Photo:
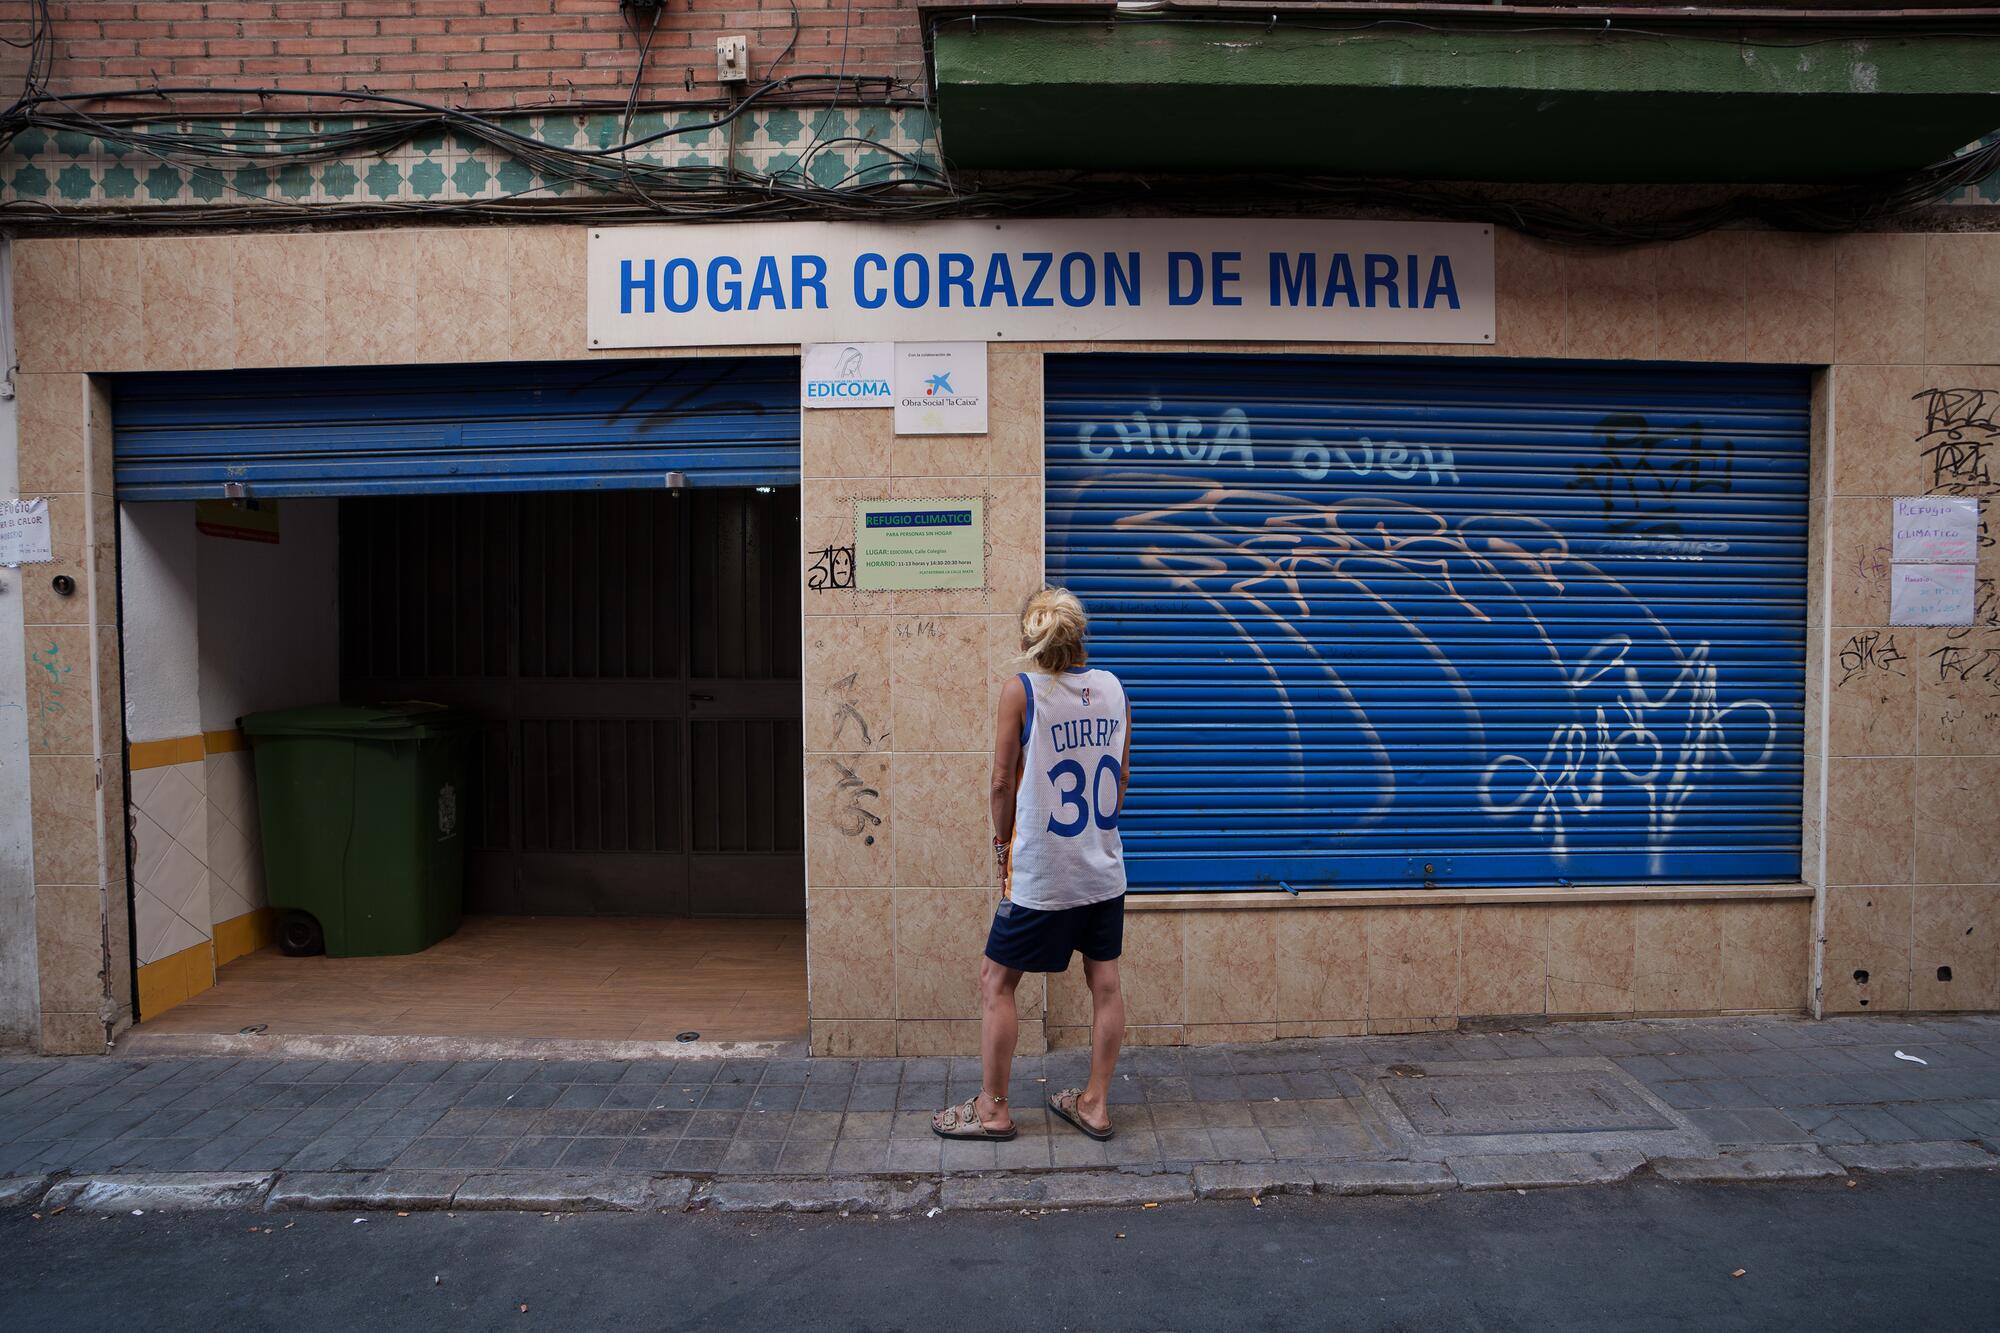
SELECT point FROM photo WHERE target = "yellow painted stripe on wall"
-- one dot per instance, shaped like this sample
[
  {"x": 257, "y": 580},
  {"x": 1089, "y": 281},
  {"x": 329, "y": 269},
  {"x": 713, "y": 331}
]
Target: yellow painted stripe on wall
[
  {"x": 224, "y": 742},
  {"x": 244, "y": 934},
  {"x": 159, "y": 754},
  {"x": 177, "y": 977}
]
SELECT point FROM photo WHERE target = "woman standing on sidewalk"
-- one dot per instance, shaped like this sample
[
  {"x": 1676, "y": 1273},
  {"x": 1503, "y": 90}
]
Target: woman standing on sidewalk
[{"x": 1062, "y": 748}]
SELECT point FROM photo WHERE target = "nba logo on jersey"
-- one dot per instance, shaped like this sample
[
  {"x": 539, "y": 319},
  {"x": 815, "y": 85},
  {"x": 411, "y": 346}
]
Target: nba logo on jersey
[{"x": 1086, "y": 696}]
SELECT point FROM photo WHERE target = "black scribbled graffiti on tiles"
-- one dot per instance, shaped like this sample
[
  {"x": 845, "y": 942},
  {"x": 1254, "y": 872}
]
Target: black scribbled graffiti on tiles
[
  {"x": 1961, "y": 434},
  {"x": 1645, "y": 475},
  {"x": 846, "y": 711},
  {"x": 832, "y": 569},
  {"x": 1871, "y": 653},
  {"x": 852, "y": 797},
  {"x": 1969, "y": 664}
]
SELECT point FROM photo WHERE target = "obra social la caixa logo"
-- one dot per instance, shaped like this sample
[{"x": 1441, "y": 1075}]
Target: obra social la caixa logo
[{"x": 848, "y": 381}]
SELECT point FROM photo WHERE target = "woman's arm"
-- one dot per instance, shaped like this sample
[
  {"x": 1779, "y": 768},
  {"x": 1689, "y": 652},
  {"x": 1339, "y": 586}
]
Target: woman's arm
[
  {"x": 1125, "y": 762},
  {"x": 1007, "y": 757}
]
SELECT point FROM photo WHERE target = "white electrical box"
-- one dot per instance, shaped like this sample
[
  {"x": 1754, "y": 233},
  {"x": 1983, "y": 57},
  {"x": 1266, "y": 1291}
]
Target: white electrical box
[{"x": 732, "y": 59}]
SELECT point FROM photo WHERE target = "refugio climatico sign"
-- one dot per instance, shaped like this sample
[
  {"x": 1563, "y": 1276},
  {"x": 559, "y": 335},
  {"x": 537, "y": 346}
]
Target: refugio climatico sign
[{"x": 1072, "y": 281}]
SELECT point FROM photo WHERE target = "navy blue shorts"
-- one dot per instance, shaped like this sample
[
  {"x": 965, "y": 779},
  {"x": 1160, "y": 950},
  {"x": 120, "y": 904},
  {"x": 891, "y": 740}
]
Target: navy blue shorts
[{"x": 1029, "y": 940}]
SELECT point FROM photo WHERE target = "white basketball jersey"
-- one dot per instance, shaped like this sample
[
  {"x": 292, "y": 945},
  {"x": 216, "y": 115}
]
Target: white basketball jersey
[{"x": 1066, "y": 849}]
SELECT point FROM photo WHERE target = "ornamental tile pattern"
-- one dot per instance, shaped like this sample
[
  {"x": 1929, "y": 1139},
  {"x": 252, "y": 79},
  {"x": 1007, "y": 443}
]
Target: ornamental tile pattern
[{"x": 832, "y": 147}]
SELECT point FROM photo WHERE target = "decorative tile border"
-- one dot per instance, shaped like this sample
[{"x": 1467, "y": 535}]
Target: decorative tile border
[
  {"x": 1983, "y": 191},
  {"x": 829, "y": 147}
]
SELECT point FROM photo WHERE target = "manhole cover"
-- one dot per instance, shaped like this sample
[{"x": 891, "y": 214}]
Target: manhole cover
[{"x": 1543, "y": 1103}]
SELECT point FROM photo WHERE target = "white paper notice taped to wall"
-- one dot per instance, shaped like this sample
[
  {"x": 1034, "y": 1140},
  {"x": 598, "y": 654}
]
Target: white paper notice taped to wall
[
  {"x": 1931, "y": 594},
  {"x": 25, "y": 535},
  {"x": 1943, "y": 528}
]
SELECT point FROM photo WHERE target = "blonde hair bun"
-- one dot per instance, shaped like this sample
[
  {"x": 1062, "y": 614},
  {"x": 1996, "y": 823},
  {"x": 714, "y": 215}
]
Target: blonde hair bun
[{"x": 1053, "y": 627}]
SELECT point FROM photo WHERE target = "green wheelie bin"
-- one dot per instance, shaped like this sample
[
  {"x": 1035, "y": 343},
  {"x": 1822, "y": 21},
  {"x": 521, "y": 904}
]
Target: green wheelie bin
[{"x": 362, "y": 808}]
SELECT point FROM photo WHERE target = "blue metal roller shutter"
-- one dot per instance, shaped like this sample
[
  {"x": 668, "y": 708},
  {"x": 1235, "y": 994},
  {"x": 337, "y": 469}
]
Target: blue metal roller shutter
[
  {"x": 1451, "y": 623},
  {"x": 423, "y": 430}
]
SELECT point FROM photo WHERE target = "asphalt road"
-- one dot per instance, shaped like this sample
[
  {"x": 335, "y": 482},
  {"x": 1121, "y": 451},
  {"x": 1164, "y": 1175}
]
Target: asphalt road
[{"x": 1905, "y": 1253}]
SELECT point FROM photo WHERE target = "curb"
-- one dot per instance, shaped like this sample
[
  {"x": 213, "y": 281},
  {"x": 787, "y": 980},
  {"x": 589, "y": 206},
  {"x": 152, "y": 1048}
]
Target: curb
[
  {"x": 886, "y": 1195},
  {"x": 327, "y": 1191},
  {"x": 1064, "y": 1189},
  {"x": 1534, "y": 1170},
  {"x": 555, "y": 1192},
  {"x": 1787, "y": 1163},
  {"x": 858, "y": 1195},
  {"x": 161, "y": 1192},
  {"x": 1224, "y": 1181}
]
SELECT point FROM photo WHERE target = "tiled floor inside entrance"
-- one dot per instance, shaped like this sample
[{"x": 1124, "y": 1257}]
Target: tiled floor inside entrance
[{"x": 577, "y": 978}]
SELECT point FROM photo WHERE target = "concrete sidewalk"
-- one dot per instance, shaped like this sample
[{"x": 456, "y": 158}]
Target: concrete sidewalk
[{"x": 1559, "y": 1104}]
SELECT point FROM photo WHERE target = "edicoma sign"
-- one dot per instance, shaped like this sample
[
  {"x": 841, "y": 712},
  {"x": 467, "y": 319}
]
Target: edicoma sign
[
  {"x": 846, "y": 375},
  {"x": 1083, "y": 281}
]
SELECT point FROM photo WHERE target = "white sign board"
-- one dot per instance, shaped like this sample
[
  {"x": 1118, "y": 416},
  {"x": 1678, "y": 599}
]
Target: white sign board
[
  {"x": 1931, "y": 594},
  {"x": 1936, "y": 528},
  {"x": 845, "y": 375},
  {"x": 25, "y": 535},
  {"x": 919, "y": 544},
  {"x": 1124, "y": 279},
  {"x": 940, "y": 388}
]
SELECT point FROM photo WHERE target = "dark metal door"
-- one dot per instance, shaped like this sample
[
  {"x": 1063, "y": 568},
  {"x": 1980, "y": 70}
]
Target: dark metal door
[{"x": 635, "y": 655}]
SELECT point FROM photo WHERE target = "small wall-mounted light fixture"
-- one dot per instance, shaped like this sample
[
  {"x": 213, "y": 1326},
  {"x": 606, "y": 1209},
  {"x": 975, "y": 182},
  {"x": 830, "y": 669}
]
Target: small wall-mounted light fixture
[
  {"x": 677, "y": 481},
  {"x": 236, "y": 492}
]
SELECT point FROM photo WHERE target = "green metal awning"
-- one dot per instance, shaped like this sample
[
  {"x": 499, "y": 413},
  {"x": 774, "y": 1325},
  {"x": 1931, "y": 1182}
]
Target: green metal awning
[{"x": 1528, "y": 100}]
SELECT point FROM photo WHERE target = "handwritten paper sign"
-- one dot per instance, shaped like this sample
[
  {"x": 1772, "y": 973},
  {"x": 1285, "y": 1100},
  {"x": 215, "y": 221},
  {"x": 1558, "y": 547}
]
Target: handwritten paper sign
[
  {"x": 25, "y": 535},
  {"x": 1941, "y": 528},
  {"x": 919, "y": 544},
  {"x": 1931, "y": 594}
]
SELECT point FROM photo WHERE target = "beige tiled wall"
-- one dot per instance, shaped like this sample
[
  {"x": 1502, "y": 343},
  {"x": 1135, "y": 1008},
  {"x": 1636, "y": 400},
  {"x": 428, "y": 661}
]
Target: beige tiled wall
[
  {"x": 75, "y": 747},
  {"x": 1913, "y": 715},
  {"x": 1301, "y": 971},
  {"x": 898, "y": 686},
  {"x": 899, "y": 696}
]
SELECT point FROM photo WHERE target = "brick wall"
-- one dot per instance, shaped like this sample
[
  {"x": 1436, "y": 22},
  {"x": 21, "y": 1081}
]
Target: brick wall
[
  {"x": 476, "y": 53},
  {"x": 486, "y": 53}
]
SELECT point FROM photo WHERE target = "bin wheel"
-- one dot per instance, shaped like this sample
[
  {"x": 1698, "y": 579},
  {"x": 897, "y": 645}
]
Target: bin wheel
[{"x": 299, "y": 935}]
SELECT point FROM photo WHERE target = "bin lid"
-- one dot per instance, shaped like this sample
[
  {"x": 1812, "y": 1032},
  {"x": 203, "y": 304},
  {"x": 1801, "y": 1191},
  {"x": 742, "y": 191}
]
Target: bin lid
[{"x": 408, "y": 720}]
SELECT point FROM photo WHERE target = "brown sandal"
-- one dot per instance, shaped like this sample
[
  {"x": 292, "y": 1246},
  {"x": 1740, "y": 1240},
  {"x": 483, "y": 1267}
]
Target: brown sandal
[
  {"x": 962, "y": 1122},
  {"x": 1064, "y": 1105}
]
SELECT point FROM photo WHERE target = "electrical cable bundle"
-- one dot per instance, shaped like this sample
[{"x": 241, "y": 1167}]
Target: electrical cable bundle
[{"x": 612, "y": 185}]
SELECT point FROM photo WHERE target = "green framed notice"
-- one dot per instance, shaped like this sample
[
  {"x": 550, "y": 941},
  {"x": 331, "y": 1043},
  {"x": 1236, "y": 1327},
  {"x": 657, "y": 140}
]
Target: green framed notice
[{"x": 901, "y": 544}]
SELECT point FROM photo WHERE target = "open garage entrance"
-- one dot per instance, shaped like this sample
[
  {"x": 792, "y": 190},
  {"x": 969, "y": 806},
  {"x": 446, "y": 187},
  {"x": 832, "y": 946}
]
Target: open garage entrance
[{"x": 599, "y": 566}]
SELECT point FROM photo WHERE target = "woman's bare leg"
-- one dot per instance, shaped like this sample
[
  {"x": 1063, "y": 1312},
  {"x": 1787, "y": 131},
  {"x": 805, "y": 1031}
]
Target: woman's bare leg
[
  {"x": 1107, "y": 1033},
  {"x": 999, "y": 1029}
]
